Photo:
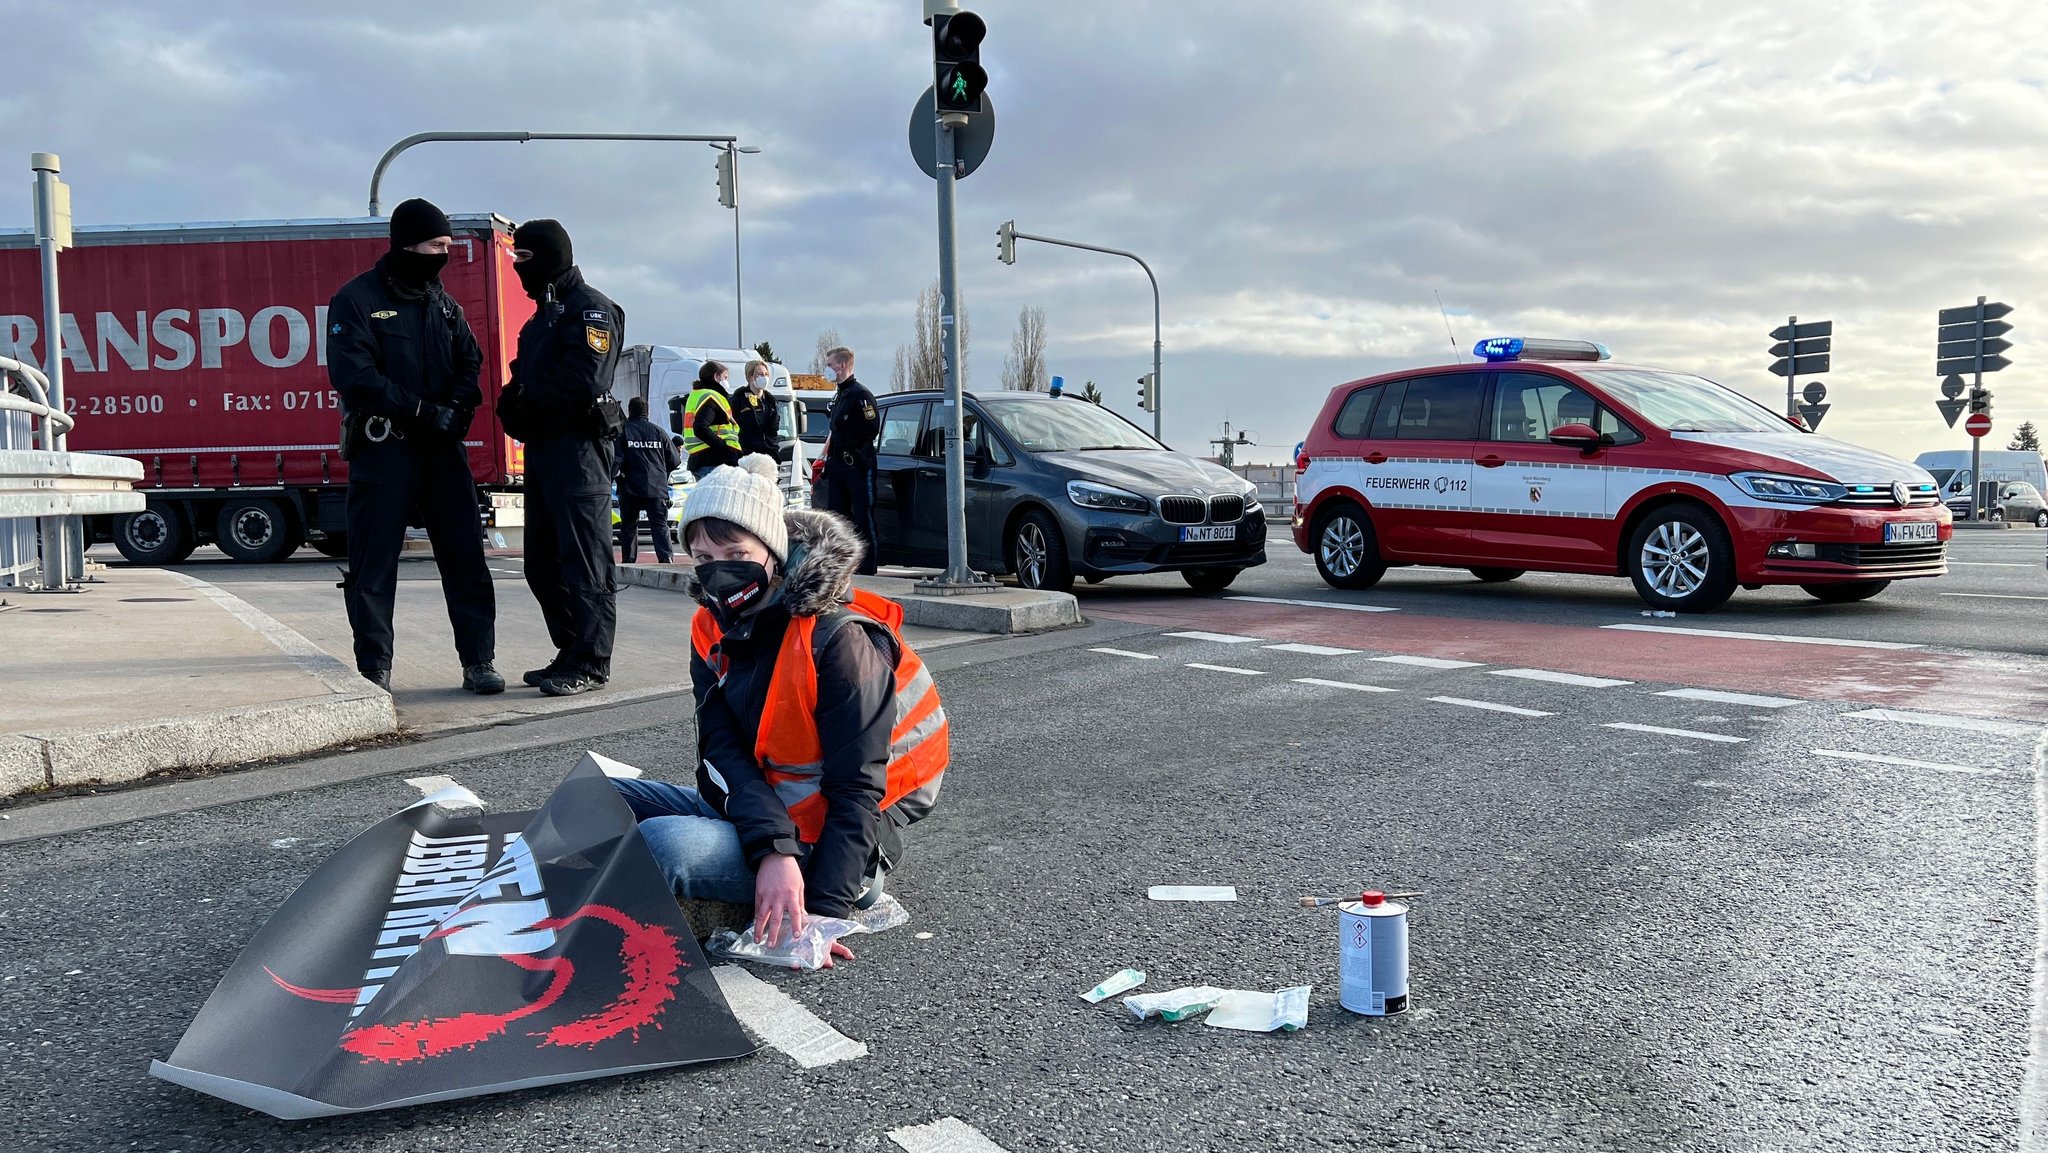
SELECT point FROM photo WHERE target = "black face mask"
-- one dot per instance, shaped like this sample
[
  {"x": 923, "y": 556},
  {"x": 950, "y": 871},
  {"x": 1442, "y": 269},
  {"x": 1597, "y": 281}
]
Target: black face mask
[
  {"x": 416, "y": 268},
  {"x": 733, "y": 589}
]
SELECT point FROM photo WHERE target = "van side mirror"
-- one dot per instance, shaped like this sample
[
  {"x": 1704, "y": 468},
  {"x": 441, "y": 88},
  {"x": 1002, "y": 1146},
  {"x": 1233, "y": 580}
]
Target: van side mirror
[{"x": 1579, "y": 436}]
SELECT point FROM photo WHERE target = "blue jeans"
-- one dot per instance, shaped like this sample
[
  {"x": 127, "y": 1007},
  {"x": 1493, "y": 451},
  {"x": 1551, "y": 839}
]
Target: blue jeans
[{"x": 698, "y": 850}]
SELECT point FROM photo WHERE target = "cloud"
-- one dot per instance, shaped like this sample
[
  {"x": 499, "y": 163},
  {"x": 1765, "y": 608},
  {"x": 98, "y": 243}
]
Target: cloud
[{"x": 1671, "y": 179}]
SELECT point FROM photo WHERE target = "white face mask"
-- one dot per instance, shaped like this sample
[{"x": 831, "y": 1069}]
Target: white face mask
[
  {"x": 831, "y": 374},
  {"x": 758, "y": 383}
]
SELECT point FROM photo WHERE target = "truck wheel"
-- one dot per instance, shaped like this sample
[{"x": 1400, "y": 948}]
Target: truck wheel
[
  {"x": 255, "y": 531},
  {"x": 334, "y": 544},
  {"x": 154, "y": 536},
  {"x": 1681, "y": 560},
  {"x": 1846, "y": 592},
  {"x": 1347, "y": 552}
]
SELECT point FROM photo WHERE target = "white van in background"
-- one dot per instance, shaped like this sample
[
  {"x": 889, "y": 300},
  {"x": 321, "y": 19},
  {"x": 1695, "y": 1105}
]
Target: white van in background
[
  {"x": 1951, "y": 469},
  {"x": 664, "y": 374}
]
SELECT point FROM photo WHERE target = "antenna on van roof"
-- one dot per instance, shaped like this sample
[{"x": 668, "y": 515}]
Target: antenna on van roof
[{"x": 1457, "y": 350}]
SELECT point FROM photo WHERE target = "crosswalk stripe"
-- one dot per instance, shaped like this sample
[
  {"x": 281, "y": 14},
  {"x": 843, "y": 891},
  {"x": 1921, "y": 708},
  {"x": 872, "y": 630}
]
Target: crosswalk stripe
[
  {"x": 1126, "y": 653},
  {"x": 781, "y": 1022},
  {"x": 1559, "y": 678},
  {"x": 1725, "y": 698},
  {"x": 1938, "y": 721},
  {"x": 1427, "y": 662},
  {"x": 1491, "y": 707},
  {"x": 1228, "y": 669},
  {"x": 1903, "y": 762},
  {"x": 1217, "y": 638},
  {"x": 1344, "y": 685},
  {"x": 1731, "y": 634},
  {"x": 945, "y": 1135},
  {"x": 1689, "y": 734},
  {"x": 1314, "y": 604},
  {"x": 1313, "y": 650}
]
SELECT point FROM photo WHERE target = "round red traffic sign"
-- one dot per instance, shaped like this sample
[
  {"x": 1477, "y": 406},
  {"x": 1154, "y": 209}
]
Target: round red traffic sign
[{"x": 1979, "y": 424}]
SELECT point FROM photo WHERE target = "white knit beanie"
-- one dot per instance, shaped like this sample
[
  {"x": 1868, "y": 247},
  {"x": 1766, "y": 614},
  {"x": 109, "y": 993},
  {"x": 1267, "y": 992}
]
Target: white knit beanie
[{"x": 748, "y": 496}]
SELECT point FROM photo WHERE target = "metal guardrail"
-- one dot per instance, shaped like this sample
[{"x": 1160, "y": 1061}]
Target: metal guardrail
[{"x": 43, "y": 489}]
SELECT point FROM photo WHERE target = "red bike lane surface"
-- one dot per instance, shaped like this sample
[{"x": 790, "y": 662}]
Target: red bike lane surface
[{"x": 1910, "y": 679}]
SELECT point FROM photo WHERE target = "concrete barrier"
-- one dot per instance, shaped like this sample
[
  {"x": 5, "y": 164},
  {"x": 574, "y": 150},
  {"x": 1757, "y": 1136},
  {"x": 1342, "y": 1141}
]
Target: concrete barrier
[{"x": 1004, "y": 611}]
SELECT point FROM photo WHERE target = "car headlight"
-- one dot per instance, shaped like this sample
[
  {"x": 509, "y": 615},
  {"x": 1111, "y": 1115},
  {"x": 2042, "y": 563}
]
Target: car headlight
[
  {"x": 1789, "y": 489},
  {"x": 1251, "y": 499},
  {"x": 1088, "y": 494}
]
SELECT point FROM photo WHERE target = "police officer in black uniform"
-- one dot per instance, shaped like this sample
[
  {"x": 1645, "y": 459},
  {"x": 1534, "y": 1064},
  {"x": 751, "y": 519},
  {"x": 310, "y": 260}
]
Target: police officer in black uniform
[
  {"x": 646, "y": 456},
  {"x": 559, "y": 403},
  {"x": 850, "y": 453},
  {"x": 405, "y": 363}
]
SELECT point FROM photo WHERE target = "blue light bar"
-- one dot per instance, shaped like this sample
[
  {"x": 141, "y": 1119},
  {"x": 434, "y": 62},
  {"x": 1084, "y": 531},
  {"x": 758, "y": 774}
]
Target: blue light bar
[{"x": 1499, "y": 348}]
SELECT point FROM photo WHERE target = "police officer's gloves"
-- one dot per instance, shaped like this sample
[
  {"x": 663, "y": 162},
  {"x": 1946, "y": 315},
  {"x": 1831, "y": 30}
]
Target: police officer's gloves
[{"x": 442, "y": 419}]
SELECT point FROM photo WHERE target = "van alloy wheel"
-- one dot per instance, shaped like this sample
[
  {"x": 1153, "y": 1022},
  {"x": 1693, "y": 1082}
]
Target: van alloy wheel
[
  {"x": 1675, "y": 559},
  {"x": 1342, "y": 545},
  {"x": 1031, "y": 550}
]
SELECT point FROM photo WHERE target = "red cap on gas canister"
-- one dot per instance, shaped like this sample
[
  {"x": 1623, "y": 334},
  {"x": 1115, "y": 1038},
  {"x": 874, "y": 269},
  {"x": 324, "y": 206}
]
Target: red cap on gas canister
[{"x": 1372, "y": 897}]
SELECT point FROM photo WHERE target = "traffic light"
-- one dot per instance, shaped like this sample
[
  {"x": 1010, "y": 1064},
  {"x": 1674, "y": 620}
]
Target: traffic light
[
  {"x": 956, "y": 56},
  {"x": 1980, "y": 401},
  {"x": 1006, "y": 242},
  {"x": 728, "y": 193},
  {"x": 1148, "y": 393}
]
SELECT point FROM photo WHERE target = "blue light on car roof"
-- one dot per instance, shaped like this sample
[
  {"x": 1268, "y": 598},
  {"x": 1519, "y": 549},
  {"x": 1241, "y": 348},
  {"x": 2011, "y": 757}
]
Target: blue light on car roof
[{"x": 1499, "y": 348}]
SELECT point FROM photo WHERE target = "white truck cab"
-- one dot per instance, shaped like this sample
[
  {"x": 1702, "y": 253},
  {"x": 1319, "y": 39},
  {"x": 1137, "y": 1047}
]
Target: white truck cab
[{"x": 664, "y": 374}]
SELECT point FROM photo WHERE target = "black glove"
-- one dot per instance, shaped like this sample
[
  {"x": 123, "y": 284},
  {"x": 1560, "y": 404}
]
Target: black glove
[{"x": 441, "y": 418}]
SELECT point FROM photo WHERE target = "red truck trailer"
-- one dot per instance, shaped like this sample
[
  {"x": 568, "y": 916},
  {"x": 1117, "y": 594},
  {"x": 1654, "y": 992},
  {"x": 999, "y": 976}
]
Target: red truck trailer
[{"x": 200, "y": 350}]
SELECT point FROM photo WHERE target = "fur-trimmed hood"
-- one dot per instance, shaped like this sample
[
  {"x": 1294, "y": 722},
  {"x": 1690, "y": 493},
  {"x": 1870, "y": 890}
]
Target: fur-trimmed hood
[{"x": 823, "y": 552}]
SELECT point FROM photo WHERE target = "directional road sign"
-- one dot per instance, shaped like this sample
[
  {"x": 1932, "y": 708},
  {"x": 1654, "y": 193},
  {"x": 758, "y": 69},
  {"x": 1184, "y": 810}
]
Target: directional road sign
[
  {"x": 1979, "y": 425},
  {"x": 1949, "y": 349},
  {"x": 1800, "y": 366},
  {"x": 1968, "y": 364},
  {"x": 1968, "y": 330},
  {"x": 1811, "y": 328},
  {"x": 1812, "y": 413},
  {"x": 1952, "y": 386},
  {"x": 1951, "y": 408},
  {"x": 1801, "y": 347},
  {"x": 1968, "y": 312}
]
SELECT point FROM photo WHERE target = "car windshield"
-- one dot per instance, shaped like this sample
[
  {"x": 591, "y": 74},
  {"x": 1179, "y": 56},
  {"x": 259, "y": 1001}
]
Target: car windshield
[
  {"x": 1681, "y": 402},
  {"x": 1066, "y": 425}
]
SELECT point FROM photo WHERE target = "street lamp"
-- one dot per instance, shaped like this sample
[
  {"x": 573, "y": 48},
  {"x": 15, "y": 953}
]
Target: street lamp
[{"x": 729, "y": 195}]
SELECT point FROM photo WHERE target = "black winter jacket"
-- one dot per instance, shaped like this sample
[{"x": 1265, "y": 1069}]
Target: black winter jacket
[
  {"x": 760, "y": 423},
  {"x": 567, "y": 353},
  {"x": 392, "y": 348},
  {"x": 856, "y": 710},
  {"x": 646, "y": 457}
]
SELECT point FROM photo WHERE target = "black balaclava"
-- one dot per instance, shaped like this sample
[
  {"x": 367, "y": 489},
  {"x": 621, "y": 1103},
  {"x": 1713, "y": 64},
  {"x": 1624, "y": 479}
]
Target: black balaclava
[
  {"x": 416, "y": 222},
  {"x": 552, "y": 256}
]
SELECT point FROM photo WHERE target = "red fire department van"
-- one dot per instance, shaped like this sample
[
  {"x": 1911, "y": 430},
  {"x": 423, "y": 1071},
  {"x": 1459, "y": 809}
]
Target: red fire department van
[
  {"x": 1545, "y": 456},
  {"x": 200, "y": 350}
]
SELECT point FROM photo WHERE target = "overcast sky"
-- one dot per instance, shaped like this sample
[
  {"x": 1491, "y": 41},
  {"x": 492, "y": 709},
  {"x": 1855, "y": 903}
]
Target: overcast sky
[{"x": 1671, "y": 178}]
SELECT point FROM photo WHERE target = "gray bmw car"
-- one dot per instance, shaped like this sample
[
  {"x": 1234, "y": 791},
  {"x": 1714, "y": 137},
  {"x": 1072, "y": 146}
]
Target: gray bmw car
[{"x": 1058, "y": 487}]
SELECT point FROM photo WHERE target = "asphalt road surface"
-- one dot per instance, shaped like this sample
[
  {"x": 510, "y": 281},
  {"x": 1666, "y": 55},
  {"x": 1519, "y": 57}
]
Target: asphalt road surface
[{"x": 1684, "y": 890}]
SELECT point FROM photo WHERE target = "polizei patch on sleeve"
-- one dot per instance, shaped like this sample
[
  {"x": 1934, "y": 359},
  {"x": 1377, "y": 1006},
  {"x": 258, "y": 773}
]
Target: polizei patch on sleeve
[{"x": 597, "y": 338}]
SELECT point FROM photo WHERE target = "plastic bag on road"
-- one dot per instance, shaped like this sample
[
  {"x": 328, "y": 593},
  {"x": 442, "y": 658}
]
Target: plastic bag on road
[
  {"x": 1261, "y": 1012},
  {"x": 809, "y": 949},
  {"x": 886, "y": 913},
  {"x": 1175, "y": 1004}
]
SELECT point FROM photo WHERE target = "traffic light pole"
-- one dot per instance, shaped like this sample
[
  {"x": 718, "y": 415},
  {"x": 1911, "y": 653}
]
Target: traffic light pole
[
  {"x": 1156, "y": 422},
  {"x": 1977, "y": 442},
  {"x": 958, "y": 577},
  {"x": 63, "y": 537}
]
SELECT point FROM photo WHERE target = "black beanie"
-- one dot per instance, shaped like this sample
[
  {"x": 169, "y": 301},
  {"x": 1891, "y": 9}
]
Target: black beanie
[
  {"x": 549, "y": 243},
  {"x": 416, "y": 222}
]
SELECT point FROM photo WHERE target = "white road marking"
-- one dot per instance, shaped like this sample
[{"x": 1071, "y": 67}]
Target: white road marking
[
  {"x": 1731, "y": 634},
  {"x": 945, "y": 1135},
  {"x": 2034, "y": 1089},
  {"x": 1692, "y": 734},
  {"x": 1343, "y": 685},
  {"x": 1938, "y": 721},
  {"x": 1126, "y": 653},
  {"x": 1229, "y": 669},
  {"x": 1191, "y": 893},
  {"x": 1491, "y": 707},
  {"x": 781, "y": 1022},
  {"x": 1314, "y": 604},
  {"x": 1724, "y": 698},
  {"x": 1559, "y": 678},
  {"x": 1903, "y": 762},
  {"x": 1428, "y": 662},
  {"x": 1314, "y": 650},
  {"x": 1996, "y": 596},
  {"x": 1218, "y": 638}
]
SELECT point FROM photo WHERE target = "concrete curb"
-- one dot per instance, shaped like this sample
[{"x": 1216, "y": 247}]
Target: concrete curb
[
  {"x": 1006, "y": 611},
  {"x": 351, "y": 710}
]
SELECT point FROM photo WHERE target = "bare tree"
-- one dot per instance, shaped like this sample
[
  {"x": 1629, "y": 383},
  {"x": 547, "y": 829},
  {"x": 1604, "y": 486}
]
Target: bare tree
[
  {"x": 1024, "y": 369},
  {"x": 925, "y": 355},
  {"x": 898, "y": 376},
  {"x": 827, "y": 341}
]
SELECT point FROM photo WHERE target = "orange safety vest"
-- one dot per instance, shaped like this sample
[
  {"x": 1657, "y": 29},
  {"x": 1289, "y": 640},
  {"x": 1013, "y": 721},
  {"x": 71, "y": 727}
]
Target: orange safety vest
[{"x": 787, "y": 747}]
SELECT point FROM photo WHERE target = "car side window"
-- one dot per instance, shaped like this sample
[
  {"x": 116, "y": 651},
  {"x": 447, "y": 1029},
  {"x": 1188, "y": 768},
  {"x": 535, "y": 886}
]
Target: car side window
[
  {"x": 901, "y": 424},
  {"x": 1386, "y": 419},
  {"x": 1528, "y": 405},
  {"x": 1354, "y": 420},
  {"x": 1612, "y": 425},
  {"x": 933, "y": 445},
  {"x": 1444, "y": 407}
]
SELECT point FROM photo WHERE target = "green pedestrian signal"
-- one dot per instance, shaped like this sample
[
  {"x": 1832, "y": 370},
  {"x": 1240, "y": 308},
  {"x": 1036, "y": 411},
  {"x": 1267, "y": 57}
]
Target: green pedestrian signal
[{"x": 956, "y": 61}]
